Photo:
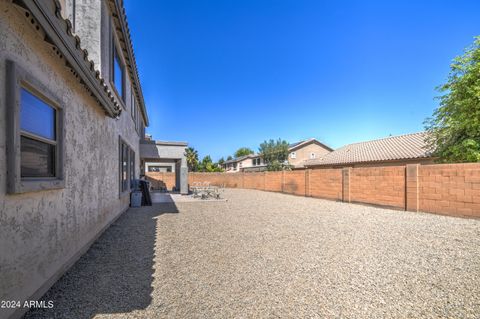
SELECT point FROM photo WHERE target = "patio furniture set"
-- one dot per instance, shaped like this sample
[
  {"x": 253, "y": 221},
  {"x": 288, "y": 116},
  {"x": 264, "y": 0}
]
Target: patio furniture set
[{"x": 204, "y": 190}]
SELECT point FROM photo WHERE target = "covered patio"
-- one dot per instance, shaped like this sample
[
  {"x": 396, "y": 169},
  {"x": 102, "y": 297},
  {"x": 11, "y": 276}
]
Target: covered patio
[{"x": 168, "y": 157}]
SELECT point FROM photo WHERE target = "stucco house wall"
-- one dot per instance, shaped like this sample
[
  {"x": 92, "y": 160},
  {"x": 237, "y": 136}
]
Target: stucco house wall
[
  {"x": 42, "y": 233},
  {"x": 303, "y": 153}
]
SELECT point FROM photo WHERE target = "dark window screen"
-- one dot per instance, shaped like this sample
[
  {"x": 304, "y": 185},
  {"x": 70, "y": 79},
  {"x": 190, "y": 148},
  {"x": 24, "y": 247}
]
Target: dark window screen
[{"x": 37, "y": 158}]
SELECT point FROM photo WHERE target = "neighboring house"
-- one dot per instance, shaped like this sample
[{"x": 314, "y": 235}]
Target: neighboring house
[
  {"x": 393, "y": 150},
  {"x": 298, "y": 153},
  {"x": 250, "y": 162},
  {"x": 306, "y": 150},
  {"x": 72, "y": 118}
]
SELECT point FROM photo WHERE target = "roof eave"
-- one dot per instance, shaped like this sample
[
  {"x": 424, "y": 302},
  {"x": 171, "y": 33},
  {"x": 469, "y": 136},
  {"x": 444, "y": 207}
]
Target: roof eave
[
  {"x": 372, "y": 162},
  {"x": 304, "y": 143},
  {"x": 59, "y": 33},
  {"x": 120, "y": 13}
]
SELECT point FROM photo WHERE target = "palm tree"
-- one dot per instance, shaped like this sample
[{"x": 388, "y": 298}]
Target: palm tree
[{"x": 191, "y": 155}]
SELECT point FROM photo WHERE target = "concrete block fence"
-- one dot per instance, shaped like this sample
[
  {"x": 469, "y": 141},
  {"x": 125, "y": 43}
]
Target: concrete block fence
[{"x": 450, "y": 189}]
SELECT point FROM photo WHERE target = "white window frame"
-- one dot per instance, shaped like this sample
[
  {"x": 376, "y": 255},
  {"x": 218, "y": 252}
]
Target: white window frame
[{"x": 293, "y": 155}]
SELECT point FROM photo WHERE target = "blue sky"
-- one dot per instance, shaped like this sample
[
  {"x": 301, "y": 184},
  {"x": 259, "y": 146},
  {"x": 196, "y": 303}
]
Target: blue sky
[{"x": 223, "y": 74}]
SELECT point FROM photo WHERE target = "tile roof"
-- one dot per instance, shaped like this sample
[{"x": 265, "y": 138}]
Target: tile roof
[
  {"x": 408, "y": 146},
  {"x": 67, "y": 45},
  {"x": 292, "y": 146},
  {"x": 241, "y": 158}
]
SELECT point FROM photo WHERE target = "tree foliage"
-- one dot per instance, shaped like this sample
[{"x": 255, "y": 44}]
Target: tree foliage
[
  {"x": 275, "y": 154},
  {"x": 242, "y": 151},
  {"x": 207, "y": 165},
  {"x": 229, "y": 158},
  {"x": 191, "y": 155},
  {"x": 454, "y": 128}
]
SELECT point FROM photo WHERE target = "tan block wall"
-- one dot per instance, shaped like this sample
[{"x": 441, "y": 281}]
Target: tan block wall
[
  {"x": 445, "y": 189},
  {"x": 159, "y": 180},
  {"x": 294, "y": 182},
  {"x": 254, "y": 181},
  {"x": 452, "y": 189},
  {"x": 326, "y": 183},
  {"x": 273, "y": 181},
  {"x": 381, "y": 186}
]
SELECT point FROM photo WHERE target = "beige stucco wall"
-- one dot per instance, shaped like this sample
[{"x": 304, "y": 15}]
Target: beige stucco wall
[
  {"x": 41, "y": 231},
  {"x": 303, "y": 153}
]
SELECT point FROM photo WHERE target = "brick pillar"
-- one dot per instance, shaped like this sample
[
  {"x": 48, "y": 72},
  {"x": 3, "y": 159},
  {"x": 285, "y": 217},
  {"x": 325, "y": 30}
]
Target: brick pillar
[
  {"x": 307, "y": 182},
  {"x": 283, "y": 181},
  {"x": 411, "y": 187},
  {"x": 264, "y": 176},
  {"x": 346, "y": 184}
]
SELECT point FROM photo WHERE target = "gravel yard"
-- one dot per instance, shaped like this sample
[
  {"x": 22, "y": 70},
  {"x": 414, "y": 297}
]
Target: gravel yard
[{"x": 267, "y": 255}]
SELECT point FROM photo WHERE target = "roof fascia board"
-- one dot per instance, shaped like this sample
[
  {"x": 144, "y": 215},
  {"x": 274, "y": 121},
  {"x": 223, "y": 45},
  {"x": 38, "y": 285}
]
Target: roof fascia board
[{"x": 131, "y": 57}]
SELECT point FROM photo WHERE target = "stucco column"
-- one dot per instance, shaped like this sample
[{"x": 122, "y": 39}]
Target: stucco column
[
  {"x": 411, "y": 187},
  {"x": 183, "y": 176}
]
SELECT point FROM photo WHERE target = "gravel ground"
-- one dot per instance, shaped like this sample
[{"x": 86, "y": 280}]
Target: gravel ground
[{"x": 272, "y": 255}]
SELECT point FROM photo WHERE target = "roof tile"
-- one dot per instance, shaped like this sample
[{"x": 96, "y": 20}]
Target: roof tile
[{"x": 408, "y": 146}]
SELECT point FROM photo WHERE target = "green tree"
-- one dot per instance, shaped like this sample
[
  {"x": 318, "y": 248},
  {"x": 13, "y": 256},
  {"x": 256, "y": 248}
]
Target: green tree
[
  {"x": 229, "y": 158},
  {"x": 454, "y": 128},
  {"x": 221, "y": 161},
  {"x": 275, "y": 154},
  {"x": 242, "y": 151},
  {"x": 191, "y": 155},
  {"x": 207, "y": 165}
]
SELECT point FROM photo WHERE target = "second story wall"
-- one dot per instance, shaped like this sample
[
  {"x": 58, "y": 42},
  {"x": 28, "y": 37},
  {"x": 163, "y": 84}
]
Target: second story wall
[
  {"x": 306, "y": 152},
  {"x": 93, "y": 22}
]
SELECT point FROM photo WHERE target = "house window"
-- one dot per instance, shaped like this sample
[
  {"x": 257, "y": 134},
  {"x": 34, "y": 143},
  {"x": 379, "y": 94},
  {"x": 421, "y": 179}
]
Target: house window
[
  {"x": 132, "y": 166},
  {"x": 118, "y": 73},
  {"x": 312, "y": 155},
  {"x": 134, "y": 110},
  {"x": 254, "y": 162},
  {"x": 142, "y": 130},
  {"x": 293, "y": 155},
  {"x": 127, "y": 166},
  {"x": 38, "y": 136},
  {"x": 35, "y": 134}
]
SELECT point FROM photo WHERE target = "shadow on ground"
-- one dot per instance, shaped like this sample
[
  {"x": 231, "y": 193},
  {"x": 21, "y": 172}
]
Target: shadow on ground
[{"x": 116, "y": 273}]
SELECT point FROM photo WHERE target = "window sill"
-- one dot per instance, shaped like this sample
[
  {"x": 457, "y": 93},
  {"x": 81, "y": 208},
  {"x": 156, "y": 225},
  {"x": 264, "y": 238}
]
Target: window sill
[{"x": 36, "y": 185}]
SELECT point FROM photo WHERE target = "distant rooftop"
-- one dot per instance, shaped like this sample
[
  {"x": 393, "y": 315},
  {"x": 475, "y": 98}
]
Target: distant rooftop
[
  {"x": 305, "y": 142},
  {"x": 408, "y": 146}
]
